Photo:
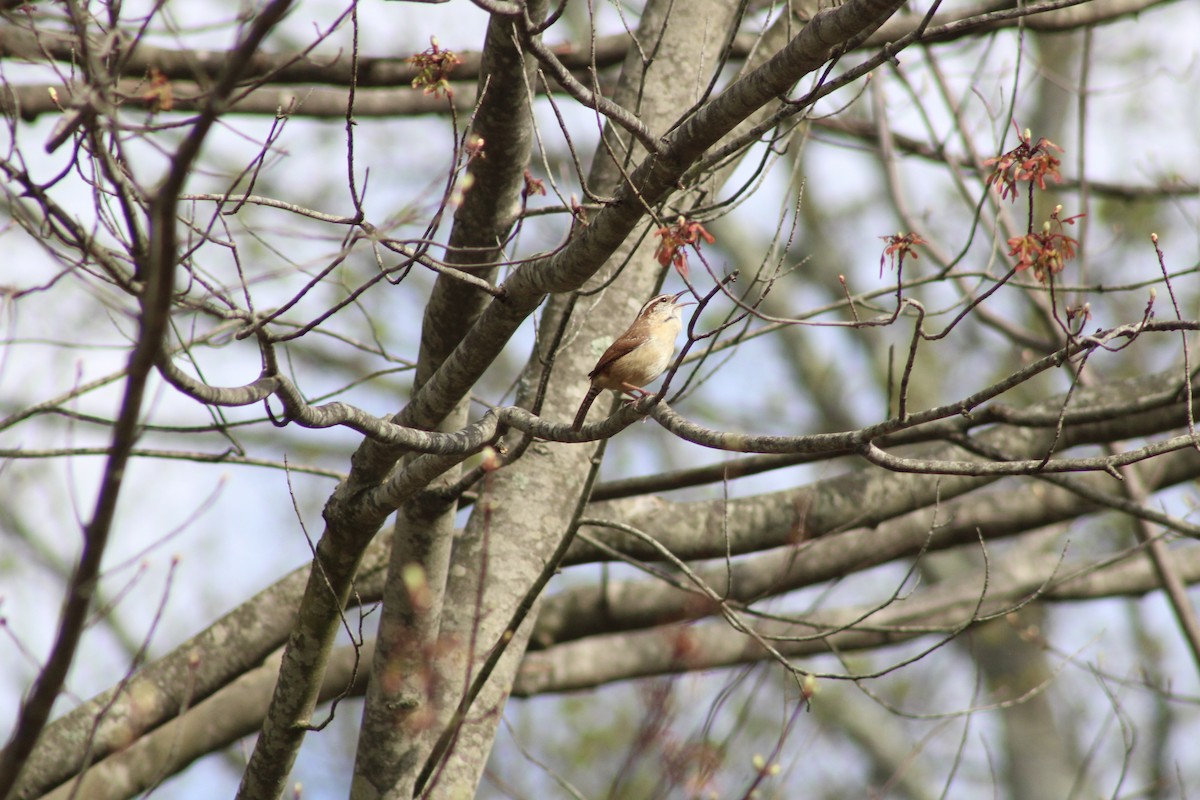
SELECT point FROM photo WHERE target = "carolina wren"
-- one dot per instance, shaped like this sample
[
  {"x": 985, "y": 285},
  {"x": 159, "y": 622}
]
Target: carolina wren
[{"x": 639, "y": 355}]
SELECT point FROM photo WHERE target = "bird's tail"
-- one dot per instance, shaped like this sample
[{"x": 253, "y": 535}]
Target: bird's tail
[{"x": 584, "y": 407}]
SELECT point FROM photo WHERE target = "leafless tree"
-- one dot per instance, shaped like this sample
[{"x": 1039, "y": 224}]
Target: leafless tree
[{"x": 894, "y": 505}]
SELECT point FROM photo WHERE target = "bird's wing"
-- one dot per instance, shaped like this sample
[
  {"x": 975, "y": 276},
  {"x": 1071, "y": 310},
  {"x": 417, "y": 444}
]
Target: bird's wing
[{"x": 624, "y": 345}]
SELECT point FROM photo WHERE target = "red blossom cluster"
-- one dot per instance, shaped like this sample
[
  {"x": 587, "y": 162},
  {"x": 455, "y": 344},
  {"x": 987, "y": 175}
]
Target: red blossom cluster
[
  {"x": 533, "y": 185},
  {"x": 1028, "y": 161},
  {"x": 675, "y": 237},
  {"x": 1047, "y": 251},
  {"x": 899, "y": 247},
  {"x": 434, "y": 67}
]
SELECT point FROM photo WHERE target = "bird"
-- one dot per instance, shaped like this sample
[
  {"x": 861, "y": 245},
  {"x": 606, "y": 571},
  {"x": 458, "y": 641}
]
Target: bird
[{"x": 640, "y": 354}]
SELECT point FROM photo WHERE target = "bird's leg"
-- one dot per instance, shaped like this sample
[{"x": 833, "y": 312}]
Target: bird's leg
[{"x": 637, "y": 392}]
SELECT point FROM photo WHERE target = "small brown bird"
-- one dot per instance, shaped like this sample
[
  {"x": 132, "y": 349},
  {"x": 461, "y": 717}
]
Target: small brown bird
[{"x": 639, "y": 355}]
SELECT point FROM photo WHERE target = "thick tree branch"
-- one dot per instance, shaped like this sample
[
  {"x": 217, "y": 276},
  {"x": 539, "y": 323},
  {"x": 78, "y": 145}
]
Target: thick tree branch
[
  {"x": 945, "y": 522},
  {"x": 947, "y": 610}
]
